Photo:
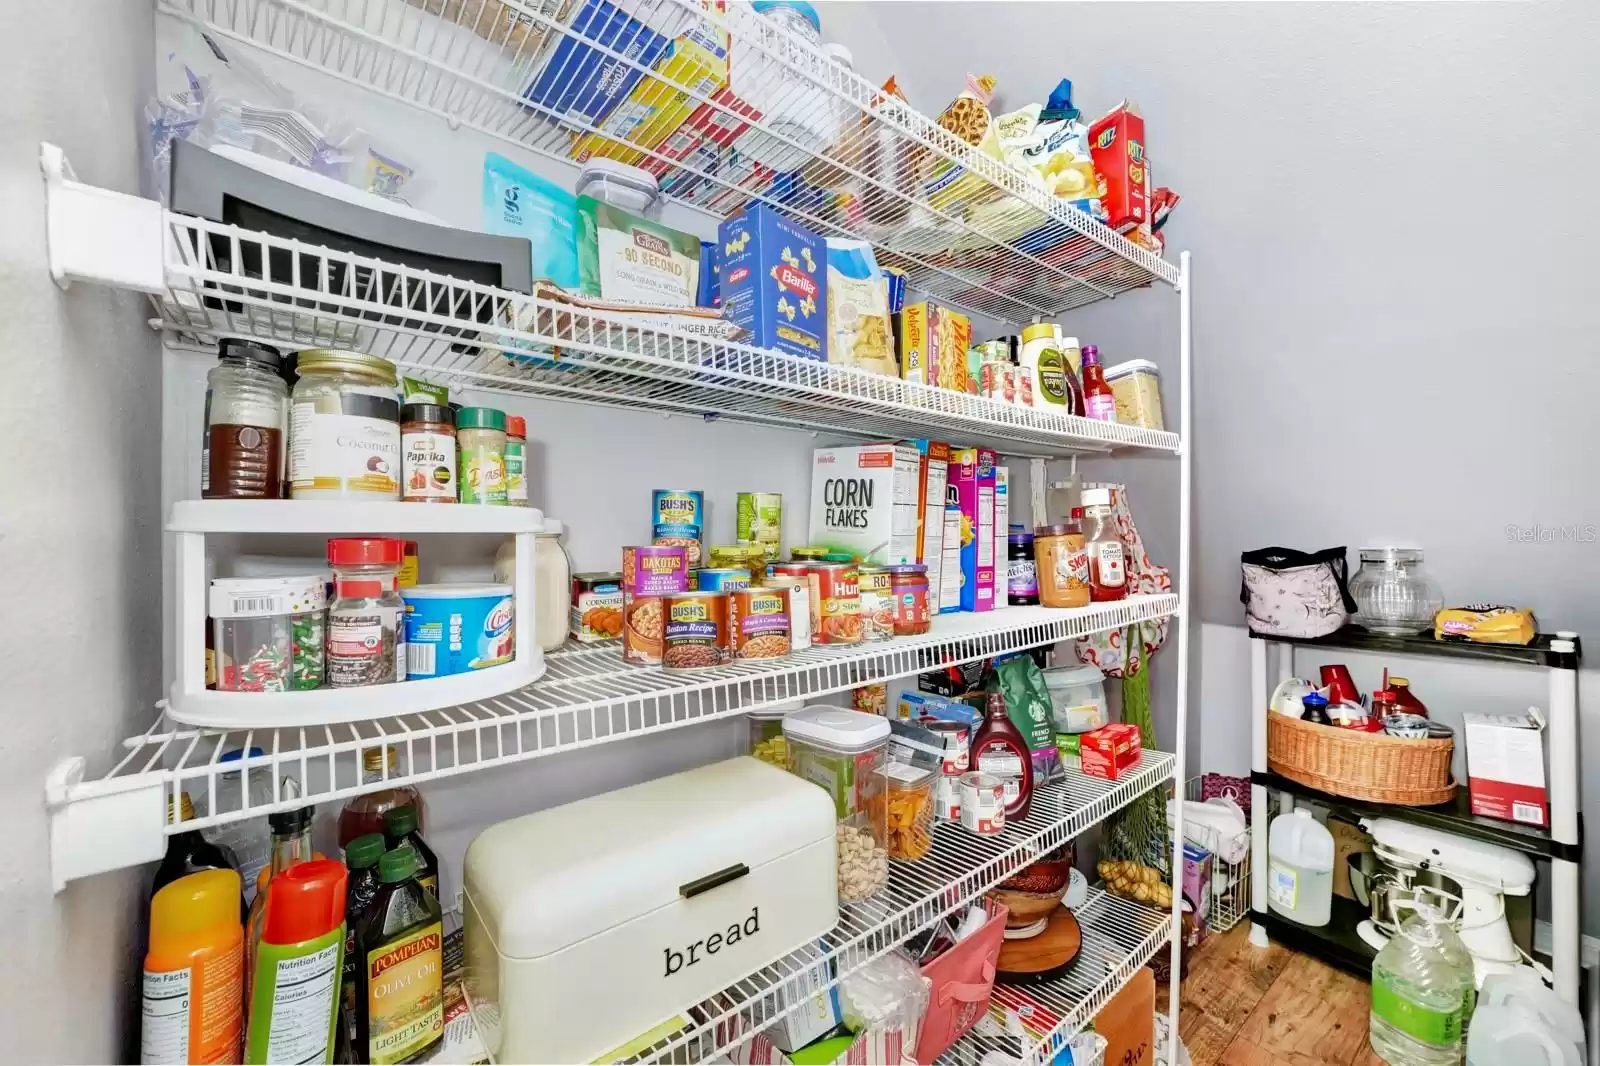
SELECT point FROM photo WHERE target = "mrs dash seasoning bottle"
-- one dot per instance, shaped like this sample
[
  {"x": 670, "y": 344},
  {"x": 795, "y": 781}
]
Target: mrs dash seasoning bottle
[
  {"x": 294, "y": 999},
  {"x": 400, "y": 999}
]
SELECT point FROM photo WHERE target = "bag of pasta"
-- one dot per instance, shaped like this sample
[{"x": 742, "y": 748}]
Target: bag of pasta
[{"x": 858, "y": 309}]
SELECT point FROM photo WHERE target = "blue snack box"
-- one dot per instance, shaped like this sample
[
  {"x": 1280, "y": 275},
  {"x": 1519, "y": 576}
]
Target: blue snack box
[
  {"x": 771, "y": 281},
  {"x": 584, "y": 83}
]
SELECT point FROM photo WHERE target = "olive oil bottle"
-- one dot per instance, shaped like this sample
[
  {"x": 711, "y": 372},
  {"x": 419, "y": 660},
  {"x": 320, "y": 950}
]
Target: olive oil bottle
[{"x": 400, "y": 993}]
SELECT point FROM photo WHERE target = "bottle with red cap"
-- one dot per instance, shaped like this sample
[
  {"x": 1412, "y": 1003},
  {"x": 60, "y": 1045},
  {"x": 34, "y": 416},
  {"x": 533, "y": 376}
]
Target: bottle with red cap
[
  {"x": 516, "y": 461},
  {"x": 1099, "y": 402},
  {"x": 366, "y": 620},
  {"x": 294, "y": 998}
]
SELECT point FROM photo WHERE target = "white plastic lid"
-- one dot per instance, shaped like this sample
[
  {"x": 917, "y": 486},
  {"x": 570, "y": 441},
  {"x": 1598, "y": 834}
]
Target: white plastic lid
[
  {"x": 599, "y": 168},
  {"x": 840, "y": 55},
  {"x": 1073, "y": 675},
  {"x": 776, "y": 711},
  {"x": 552, "y": 528},
  {"x": 461, "y": 591},
  {"x": 1096, "y": 498},
  {"x": 837, "y": 729},
  {"x": 1132, "y": 366},
  {"x": 263, "y": 597}
]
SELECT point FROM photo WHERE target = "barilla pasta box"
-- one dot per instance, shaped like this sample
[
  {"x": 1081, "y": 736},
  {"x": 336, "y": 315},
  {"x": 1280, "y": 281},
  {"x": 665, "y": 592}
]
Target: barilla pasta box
[
  {"x": 864, "y": 501},
  {"x": 933, "y": 474},
  {"x": 972, "y": 487},
  {"x": 697, "y": 61},
  {"x": 772, "y": 282},
  {"x": 1116, "y": 143}
]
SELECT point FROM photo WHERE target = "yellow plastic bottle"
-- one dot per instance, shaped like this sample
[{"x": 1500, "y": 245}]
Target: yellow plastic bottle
[{"x": 194, "y": 972}]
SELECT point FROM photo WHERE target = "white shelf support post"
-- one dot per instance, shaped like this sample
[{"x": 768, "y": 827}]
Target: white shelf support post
[
  {"x": 98, "y": 235},
  {"x": 1565, "y": 900},
  {"x": 1258, "y": 794},
  {"x": 1184, "y": 620},
  {"x": 103, "y": 825}
]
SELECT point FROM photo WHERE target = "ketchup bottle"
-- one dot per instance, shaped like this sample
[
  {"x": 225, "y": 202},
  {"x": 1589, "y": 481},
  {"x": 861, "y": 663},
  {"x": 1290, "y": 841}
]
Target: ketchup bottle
[
  {"x": 1098, "y": 400},
  {"x": 999, "y": 750}
]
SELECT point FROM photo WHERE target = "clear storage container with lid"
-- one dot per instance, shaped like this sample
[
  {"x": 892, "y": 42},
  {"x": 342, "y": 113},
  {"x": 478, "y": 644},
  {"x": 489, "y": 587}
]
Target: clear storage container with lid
[
  {"x": 766, "y": 733},
  {"x": 1136, "y": 387},
  {"x": 267, "y": 632},
  {"x": 1393, "y": 593},
  {"x": 1077, "y": 698},
  {"x": 344, "y": 428},
  {"x": 619, "y": 184},
  {"x": 247, "y": 423},
  {"x": 845, "y": 753},
  {"x": 778, "y": 67},
  {"x": 553, "y": 577}
]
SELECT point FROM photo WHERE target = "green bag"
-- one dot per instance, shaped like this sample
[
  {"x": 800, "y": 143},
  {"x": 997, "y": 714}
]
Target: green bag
[{"x": 1020, "y": 681}]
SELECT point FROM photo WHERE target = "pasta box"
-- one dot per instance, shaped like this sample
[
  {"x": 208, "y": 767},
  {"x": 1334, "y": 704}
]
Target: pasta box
[
  {"x": 771, "y": 282},
  {"x": 585, "y": 81},
  {"x": 864, "y": 501},
  {"x": 697, "y": 61},
  {"x": 972, "y": 486},
  {"x": 590, "y": 923},
  {"x": 933, "y": 346}
]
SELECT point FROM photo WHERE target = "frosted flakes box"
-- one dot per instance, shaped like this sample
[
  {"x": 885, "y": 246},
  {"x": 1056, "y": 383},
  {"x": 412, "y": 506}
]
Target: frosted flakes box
[{"x": 772, "y": 282}]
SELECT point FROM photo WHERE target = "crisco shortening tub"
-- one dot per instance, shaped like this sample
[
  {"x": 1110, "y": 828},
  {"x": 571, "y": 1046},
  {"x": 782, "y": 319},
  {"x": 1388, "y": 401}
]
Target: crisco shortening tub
[{"x": 451, "y": 629}]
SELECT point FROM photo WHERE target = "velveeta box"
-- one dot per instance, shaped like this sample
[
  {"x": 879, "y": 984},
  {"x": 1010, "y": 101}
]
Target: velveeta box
[
  {"x": 972, "y": 486},
  {"x": 933, "y": 346},
  {"x": 697, "y": 61},
  {"x": 771, "y": 282}
]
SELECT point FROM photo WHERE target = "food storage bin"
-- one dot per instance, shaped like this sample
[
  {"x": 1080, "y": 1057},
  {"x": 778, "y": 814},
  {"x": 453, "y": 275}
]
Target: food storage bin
[
  {"x": 1136, "y": 387},
  {"x": 618, "y": 184},
  {"x": 1393, "y": 593},
  {"x": 592, "y": 922},
  {"x": 909, "y": 803},
  {"x": 1077, "y": 698},
  {"x": 844, "y": 753},
  {"x": 267, "y": 633},
  {"x": 766, "y": 733}
]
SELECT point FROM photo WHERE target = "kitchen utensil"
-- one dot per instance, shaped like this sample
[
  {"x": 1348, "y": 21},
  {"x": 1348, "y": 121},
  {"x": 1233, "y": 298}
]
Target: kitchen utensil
[
  {"x": 1288, "y": 698},
  {"x": 1393, "y": 593}
]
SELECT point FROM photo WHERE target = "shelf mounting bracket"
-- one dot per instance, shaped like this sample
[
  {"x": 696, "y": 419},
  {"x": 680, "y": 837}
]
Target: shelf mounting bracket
[
  {"x": 102, "y": 825},
  {"x": 98, "y": 235}
]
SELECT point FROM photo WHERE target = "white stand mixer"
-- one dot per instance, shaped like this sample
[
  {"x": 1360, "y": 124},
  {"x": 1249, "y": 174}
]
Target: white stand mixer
[{"x": 1486, "y": 873}]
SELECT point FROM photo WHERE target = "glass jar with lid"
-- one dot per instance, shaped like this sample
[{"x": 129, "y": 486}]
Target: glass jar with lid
[
  {"x": 247, "y": 423},
  {"x": 552, "y": 600},
  {"x": 1393, "y": 593},
  {"x": 344, "y": 428},
  {"x": 366, "y": 620}
]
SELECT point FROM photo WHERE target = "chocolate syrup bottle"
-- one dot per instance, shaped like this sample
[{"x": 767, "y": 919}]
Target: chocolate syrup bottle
[{"x": 1000, "y": 750}]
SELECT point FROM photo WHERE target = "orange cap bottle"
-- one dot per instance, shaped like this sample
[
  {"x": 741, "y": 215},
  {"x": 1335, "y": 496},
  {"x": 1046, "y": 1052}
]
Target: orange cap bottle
[{"x": 194, "y": 972}]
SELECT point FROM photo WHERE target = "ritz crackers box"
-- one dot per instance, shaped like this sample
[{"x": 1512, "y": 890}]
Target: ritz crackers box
[
  {"x": 772, "y": 282},
  {"x": 1116, "y": 143},
  {"x": 972, "y": 488}
]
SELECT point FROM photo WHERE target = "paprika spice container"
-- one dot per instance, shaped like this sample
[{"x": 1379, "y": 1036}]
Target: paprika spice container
[{"x": 428, "y": 453}]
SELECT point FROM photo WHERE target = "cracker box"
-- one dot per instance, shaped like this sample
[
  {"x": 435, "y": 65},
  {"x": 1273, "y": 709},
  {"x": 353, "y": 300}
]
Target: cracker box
[
  {"x": 864, "y": 501},
  {"x": 1505, "y": 767},
  {"x": 972, "y": 485},
  {"x": 697, "y": 61},
  {"x": 932, "y": 478},
  {"x": 1116, "y": 143},
  {"x": 772, "y": 284},
  {"x": 1110, "y": 751},
  {"x": 933, "y": 346},
  {"x": 586, "y": 82}
]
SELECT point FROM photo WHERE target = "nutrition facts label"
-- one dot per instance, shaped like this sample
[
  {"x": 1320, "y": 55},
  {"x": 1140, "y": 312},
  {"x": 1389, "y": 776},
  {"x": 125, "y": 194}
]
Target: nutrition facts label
[
  {"x": 164, "y": 1035},
  {"x": 302, "y": 1006}
]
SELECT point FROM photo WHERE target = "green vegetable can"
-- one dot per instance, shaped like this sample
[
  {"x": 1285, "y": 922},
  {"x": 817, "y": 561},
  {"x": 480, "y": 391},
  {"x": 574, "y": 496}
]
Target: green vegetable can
[{"x": 759, "y": 521}]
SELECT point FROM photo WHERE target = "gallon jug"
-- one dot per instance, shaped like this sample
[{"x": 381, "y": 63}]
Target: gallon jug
[
  {"x": 1422, "y": 986},
  {"x": 1300, "y": 871},
  {"x": 1520, "y": 1022}
]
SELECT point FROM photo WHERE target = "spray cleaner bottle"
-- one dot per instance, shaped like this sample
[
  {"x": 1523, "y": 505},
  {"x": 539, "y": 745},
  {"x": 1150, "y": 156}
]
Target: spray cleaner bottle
[
  {"x": 294, "y": 998},
  {"x": 1422, "y": 985}
]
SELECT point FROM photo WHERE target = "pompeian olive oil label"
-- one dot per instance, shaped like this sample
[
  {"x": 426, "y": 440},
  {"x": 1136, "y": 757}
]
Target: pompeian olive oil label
[{"x": 405, "y": 996}]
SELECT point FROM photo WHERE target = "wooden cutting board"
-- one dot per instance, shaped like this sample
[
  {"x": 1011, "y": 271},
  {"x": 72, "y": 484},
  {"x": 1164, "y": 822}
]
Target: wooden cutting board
[{"x": 1044, "y": 957}]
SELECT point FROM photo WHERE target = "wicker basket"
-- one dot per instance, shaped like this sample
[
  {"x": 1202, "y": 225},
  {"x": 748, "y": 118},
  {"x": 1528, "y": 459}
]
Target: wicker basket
[{"x": 1365, "y": 766}]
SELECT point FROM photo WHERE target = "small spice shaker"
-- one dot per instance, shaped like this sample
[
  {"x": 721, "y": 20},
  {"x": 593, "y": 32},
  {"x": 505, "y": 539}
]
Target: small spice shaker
[{"x": 427, "y": 453}]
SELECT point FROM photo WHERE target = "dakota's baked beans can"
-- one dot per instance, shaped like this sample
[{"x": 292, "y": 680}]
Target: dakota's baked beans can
[
  {"x": 649, "y": 572},
  {"x": 835, "y": 603},
  {"x": 694, "y": 630},
  {"x": 758, "y": 623}
]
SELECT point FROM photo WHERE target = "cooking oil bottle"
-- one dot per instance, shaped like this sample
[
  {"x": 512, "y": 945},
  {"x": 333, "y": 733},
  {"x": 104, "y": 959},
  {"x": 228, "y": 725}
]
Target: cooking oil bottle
[
  {"x": 400, "y": 991},
  {"x": 1422, "y": 987}
]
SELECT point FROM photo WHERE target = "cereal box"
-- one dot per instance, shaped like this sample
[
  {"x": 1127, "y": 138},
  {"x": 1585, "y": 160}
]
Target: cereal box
[
  {"x": 950, "y": 556},
  {"x": 697, "y": 61},
  {"x": 1117, "y": 144},
  {"x": 772, "y": 282},
  {"x": 1002, "y": 528},
  {"x": 585, "y": 82},
  {"x": 932, "y": 477},
  {"x": 972, "y": 485},
  {"x": 864, "y": 501},
  {"x": 933, "y": 346}
]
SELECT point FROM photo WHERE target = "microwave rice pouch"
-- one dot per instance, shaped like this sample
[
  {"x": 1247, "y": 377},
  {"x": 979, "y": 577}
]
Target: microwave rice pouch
[
  {"x": 864, "y": 501},
  {"x": 772, "y": 282}
]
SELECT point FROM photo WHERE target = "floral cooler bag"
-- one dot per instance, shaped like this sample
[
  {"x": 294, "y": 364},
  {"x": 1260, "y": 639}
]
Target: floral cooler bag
[
  {"x": 1106, "y": 650},
  {"x": 1289, "y": 593}
]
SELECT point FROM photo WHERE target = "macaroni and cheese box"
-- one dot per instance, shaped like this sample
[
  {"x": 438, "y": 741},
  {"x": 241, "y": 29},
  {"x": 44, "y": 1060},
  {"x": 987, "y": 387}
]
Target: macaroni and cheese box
[
  {"x": 864, "y": 501},
  {"x": 972, "y": 485},
  {"x": 933, "y": 346},
  {"x": 771, "y": 283},
  {"x": 697, "y": 61},
  {"x": 584, "y": 82}
]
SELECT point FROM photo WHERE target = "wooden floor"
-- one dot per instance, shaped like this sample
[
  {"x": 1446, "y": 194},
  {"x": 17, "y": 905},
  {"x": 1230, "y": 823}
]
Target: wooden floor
[{"x": 1247, "y": 1006}]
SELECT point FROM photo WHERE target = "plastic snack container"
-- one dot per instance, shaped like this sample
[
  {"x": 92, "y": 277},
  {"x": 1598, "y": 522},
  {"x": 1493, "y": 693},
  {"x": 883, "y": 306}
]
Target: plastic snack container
[
  {"x": 844, "y": 753},
  {"x": 1136, "y": 386},
  {"x": 766, "y": 733}
]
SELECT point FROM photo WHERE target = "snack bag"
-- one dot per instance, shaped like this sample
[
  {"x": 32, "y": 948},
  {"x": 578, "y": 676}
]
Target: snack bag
[
  {"x": 858, "y": 309},
  {"x": 1056, "y": 148},
  {"x": 948, "y": 185}
]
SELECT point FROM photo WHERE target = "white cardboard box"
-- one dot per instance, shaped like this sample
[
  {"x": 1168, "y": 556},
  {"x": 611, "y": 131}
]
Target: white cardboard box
[
  {"x": 864, "y": 501},
  {"x": 1505, "y": 766}
]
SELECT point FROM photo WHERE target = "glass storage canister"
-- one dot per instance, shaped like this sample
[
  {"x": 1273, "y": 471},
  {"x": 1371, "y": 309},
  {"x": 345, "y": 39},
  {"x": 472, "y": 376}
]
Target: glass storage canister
[
  {"x": 766, "y": 733},
  {"x": 481, "y": 442},
  {"x": 1393, "y": 593},
  {"x": 1062, "y": 565},
  {"x": 268, "y": 632},
  {"x": 909, "y": 583},
  {"x": 844, "y": 753},
  {"x": 344, "y": 428},
  {"x": 428, "y": 453},
  {"x": 1022, "y": 574},
  {"x": 366, "y": 620},
  {"x": 246, "y": 424},
  {"x": 552, "y": 615}
]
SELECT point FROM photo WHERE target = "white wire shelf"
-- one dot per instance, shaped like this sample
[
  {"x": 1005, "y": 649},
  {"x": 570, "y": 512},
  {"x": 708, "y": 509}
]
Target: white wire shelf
[
  {"x": 1119, "y": 937},
  {"x": 790, "y": 128},
  {"x": 958, "y": 870},
  {"x": 588, "y": 696}
]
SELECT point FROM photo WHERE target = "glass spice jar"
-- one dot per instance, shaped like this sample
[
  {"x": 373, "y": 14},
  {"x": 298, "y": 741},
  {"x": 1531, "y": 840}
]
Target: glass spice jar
[
  {"x": 247, "y": 424},
  {"x": 428, "y": 453},
  {"x": 366, "y": 631},
  {"x": 909, "y": 582},
  {"x": 344, "y": 428},
  {"x": 481, "y": 441}
]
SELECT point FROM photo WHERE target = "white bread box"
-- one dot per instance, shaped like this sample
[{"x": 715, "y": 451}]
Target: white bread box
[{"x": 591, "y": 923}]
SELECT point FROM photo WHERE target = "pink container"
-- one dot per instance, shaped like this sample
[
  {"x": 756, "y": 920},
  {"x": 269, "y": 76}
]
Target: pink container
[{"x": 962, "y": 982}]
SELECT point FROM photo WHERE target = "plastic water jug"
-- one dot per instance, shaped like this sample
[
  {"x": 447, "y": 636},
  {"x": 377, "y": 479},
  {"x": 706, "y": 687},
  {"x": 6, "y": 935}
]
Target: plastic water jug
[
  {"x": 1520, "y": 1022},
  {"x": 1422, "y": 986},
  {"x": 1300, "y": 871}
]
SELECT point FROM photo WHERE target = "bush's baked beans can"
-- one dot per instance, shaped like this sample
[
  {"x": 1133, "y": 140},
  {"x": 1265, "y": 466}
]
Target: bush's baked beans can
[
  {"x": 678, "y": 520},
  {"x": 877, "y": 603},
  {"x": 758, "y": 623},
  {"x": 835, "y": 603},
  {"x": 694, "y": 630},
  {"x": 721, "y": 578},
  {"x": 649, "y": 572},
  {"x": 799, "y": 590}
]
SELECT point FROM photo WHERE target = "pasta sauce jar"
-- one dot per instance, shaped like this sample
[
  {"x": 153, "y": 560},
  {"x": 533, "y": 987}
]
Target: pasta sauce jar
[
  {"x": 835, "y": 603},
  {"x": 909, "y": 586},
  {"x": 877, "y": 603}
]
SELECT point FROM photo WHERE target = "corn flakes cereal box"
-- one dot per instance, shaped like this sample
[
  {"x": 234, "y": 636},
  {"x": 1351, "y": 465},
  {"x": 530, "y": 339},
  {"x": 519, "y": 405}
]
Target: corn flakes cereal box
[
  {"x": 697, "y": 61},
  {"x": 864, "y": 501},
  {"x": 771, "y": 282},
  {"x": 933, "y": 346}
]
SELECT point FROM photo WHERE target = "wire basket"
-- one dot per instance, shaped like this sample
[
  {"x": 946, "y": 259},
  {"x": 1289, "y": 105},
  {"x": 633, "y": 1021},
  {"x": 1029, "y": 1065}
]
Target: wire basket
[{"x": 1230, "y": 881}]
